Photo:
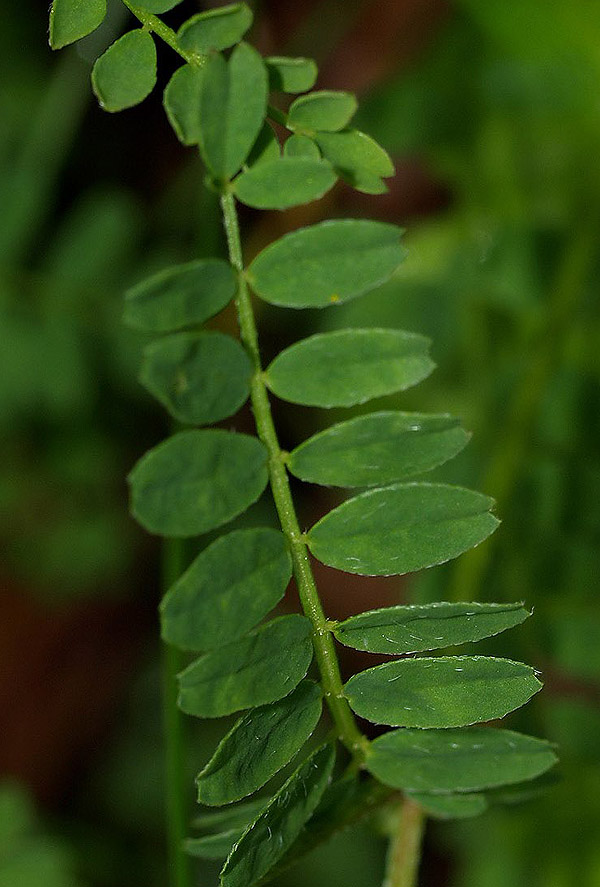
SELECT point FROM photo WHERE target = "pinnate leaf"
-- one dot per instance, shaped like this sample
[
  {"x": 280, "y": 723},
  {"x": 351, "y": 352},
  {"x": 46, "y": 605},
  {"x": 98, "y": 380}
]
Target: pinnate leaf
[
  {"x": 260, "y": 667},
  {"x": 357, "y": 158},
  {"x": 412, "y": 629},
  {"x": 216, "y": 29},
  {"x": 349, "y": 367},
  {"x": 464, "y": 760},
  {"x": 327, "y": 263},
  {"x": 301, "y": 146},
  {"x": 276, "y": 829},
  {"x": 227, "y": 590},
  {"x": 181, "y": 100},
  {"x": 452, "y": 691},
  {"x": 180, "y": 296},
  {"x": 378, "y": 448},
  {"x": 452, "y": 806},
  {"x": 200, "y": 378},
  {"x": 126, "y": 73},
  {"x": 72, "y": 19},
  {"x": 291, "y": 74},
  {"x": 196, "y": 481},
  {"x": 402, "y": 528},
  {"x": 285, "y": 182},
  {"x": 233, "y": 104},
  {"x": 324, "y": 110},
  {"x": 260, "y": 744}
]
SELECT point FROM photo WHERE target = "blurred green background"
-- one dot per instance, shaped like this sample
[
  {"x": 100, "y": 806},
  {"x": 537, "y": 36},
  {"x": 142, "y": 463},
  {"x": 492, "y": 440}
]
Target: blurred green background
[{"x": 491, "y": 112}]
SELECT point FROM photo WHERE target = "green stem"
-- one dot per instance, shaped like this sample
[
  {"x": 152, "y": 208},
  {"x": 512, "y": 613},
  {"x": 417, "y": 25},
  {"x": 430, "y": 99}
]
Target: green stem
[
  {"x": 177, "y": 813},
  {"x": 323, "y": 643},
  {"x": 157, "y": 26},
  {"x": 404, "y": 854}
]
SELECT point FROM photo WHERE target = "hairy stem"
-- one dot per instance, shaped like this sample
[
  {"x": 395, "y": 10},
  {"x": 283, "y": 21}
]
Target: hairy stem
[
  {"x": 404, "y": 854},
  {"x": 177, "y": 813},
  {"x": 325, "y": 653}
]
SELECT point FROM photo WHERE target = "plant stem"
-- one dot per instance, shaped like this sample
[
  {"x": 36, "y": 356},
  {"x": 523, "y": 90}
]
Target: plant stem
[
  {"x": 325, "y": 653},
  {"x": 177, "y": 813},
  {"x": 157, "y": 26},
  {"x": 404, "y": 854}
]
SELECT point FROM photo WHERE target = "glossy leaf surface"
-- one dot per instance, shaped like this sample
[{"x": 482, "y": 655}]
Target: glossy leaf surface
[
  {"x": 215, "y": 29},
  {"x": 285, "y": 182},
  {"x": 327, "y": 263},
  {"x": 157, "y": 6},
  {"x": 291, "y": 74},
  {"x": 180, "y": 296},
  {"x": 357, "y": 158},
  {"x": 324, "y": 110},
  {"x": 196, "y": 481},
  {"x": 412, "y": 629},
  {"x": 451, "y": 691},
  {"x": 126, "y": 73},
  {"x": 72, "y": 19},
  {"x": 260, "y": 667},
  {"x": 378, "y": 448},
  {"x": 260, "y": 744},
  {"x": 349, "y": 367},
  {"x": 227, "y": 589},
  {"x": 200, "y": 378},
  {"x": 301, "y": 146},
  {"x": 233, "y": 104},
  {"x": 181, "y": 100},
  {"x": 457, "y": 760},
  {"x": 452, "y": 806},
  {"x": 276, "y": 829},
  {"x": 402, "y": 528}
]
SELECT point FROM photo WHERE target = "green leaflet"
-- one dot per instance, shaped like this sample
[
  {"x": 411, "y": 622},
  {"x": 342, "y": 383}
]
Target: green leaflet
[
  {"x": 260, "y": 744},
  {"x": 412, "y": 629},
  {"x": 457, "y": 760},
  {"x": 180, "y": 296},
  {"x": 349, "y": 367},
  {"x": 452, "y": 806},
  {"x": 200, "y": 378},
  {"x": 402, "y": 528},
  {"x": 357, "y": 158},
  {"x": 181, "y": 99},
  {"x": 276, "y": 829},
  {"x": 266, "y": 147},
  {"x": 233, "y": 817},
  {"x": 327, "y": 264},
  {"x": 324, "y": 110},
  {"x": 378, "y": 448},
  {"x": 196, "y": 481},
  {"x": 216, "y": 29},
  {"x": 301, "y": 146},
  {"x": 260, "y": 667},
  {"x": 216, "y": 846},
  {"x": 452, "y": 691},
  {"x": 157, "y": 6},
  {"x": 227, "y": 590},
  {"x": 72, "y": 19},
  {"x": 291, "y": 74},
  {"x": 233, "y": 105},
  {"x": 126, "y": 73},
  {"x": 285, "y": 182}
]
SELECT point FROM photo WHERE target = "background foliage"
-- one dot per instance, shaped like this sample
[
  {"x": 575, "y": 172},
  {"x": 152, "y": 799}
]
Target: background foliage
[{"x": 490, "y": 112}]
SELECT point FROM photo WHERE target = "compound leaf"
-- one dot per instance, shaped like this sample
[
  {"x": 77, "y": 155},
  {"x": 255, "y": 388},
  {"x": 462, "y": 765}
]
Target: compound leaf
[
  {"x": 181, "y": 100},
  {"x": 451, "y": 806},
  {"x": 327, "y": 264},
  {"x": 196, "y": 481},
  {"x": 357, "y": 158},
  {"x": 126, "y": 73},
  {"x": 71, "y": 20},
  {"x": 402, "y": 528},
  {"x": 457, "y": 760},
  {"x": 180, "y": 296},
  {"x": 200, "y": 378},
  {"x": 278, "y": 826},
  {"x": 285, "y": 182},
  {"x": 412, "y": 629},
  {"x": 378, "y": 448},
  {"x": 216, "y": 29},
  {"x": 227, "y": 590},
  {"x": 233, "y": 104},
  {"x": 324, "y": 110},
  {"x": 259, "y": 745},
  {"x": 301, "y": 146},
  {"x": 452, "y": 691},
  {"x": 260, "y": 667},
  {"x": 349, "y": 367},
  {"x": 291, "y": 74}
]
